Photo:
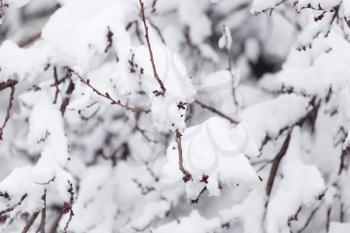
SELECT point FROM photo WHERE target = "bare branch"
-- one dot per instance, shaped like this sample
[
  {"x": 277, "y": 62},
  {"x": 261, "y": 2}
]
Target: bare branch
[
  {"x": 43, "y": 214},
  {"x": 8, "y": 84},
  {"x": 55, "y": 76},
  {"x": 107, "y": 96},
  {"x": 68, "y": 207},
  {"x": 28, "y": 40},
  {"x": 214, "y": 110},
  {"x": 187, "y": 175},
  {"x": 69, "y": 91},
  {"x": 275, "y": 164},
  {"x": 30, "y": 222},
  {"x": 9, "y": 209},
  {"x": 155, "y": 73},
  {"x": 109, "y": 39}
]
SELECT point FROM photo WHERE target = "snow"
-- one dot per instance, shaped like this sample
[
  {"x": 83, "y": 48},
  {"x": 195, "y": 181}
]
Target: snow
[
  {"x": 300, "y": 186},
  {"x": 193, "y": 223},
  {"x": 337, "y": 227},
  {"x": 314, "y": 64},
  {"x": 20, "y": 64},
  {"x": 287, "y": 108},
  {"x": 174, "y": 75},
  {"x": 281, "y": 70},
  {"x": 17, "y": 3},
  {"x": 214, "y": 150},
  {"x": 225, "y": 41},
  {"x": 63, "y": 37}
]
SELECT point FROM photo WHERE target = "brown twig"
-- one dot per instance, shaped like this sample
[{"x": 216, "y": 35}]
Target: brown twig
[
  {"x": 155, "y": 73},
  {"x": 214, "y": 110},
  {"x": 109, "y": 39},
  {"x": 328, "y": 219},
  {"x": 54, "y": 226},
  {"x": 9, "y": 209},
  {"x": 195, "y": 200},
  {"x": 68, "y": 207},
  {"x": 30, "y": 222},
  {"x": 158, "y": 31},
  {"x": 344, "y": 153},
  {"x": 30, "y": 39},
  {"x": 306, "y": 224},
  {"x": 8, "y": 84},
  {"x": 66, "y": 100},
  {"x": 107, "y": 96},
  {"x": 43, "y": 214},
  {"x": 275, "y": 164},
  {"x": 55, "y": 76},
  {"x": 270, "y": 8},
  {"x": 187, "y": 175}
]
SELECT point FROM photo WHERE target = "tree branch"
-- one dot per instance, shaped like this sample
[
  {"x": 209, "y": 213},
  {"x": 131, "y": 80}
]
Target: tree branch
[
  {"x": 55, "y": 76},
  {"x": 30, "y": 222},
  {"x": 276, "y": 163},
  {"x": 107, "y": 96},
  {"x": 8, "y": 84},
  {"x": 214, "y": 110},
  {"x": 187, "y": 175},
  {"x": 155, "y": 73},
  {"x": 43, "y": 214}
]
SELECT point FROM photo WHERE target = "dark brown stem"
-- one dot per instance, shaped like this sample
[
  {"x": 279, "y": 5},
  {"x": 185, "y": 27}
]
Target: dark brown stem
[
  {"x": 8, "y": 84},
  {"x": 30, "y": 222},
  {"x": 43, "y": 215},
  {"x": 187, "y": 175},
  {"x": 328, "y": 221},
  {"x": 344, "y": 153},
  {"x": 109, "y": 39},
  {"x": 71, "y": 200},
  {"x": 155, "y": 73},
  {"x": 54, "y": 226},
  {"x": 55, "y": 76},
  {"x": 214, "y": 110},
  {"x": 342, "y": 212},
  {"x": 66, "y": 100},
  {"x": 275, "y": 164},
  {"x": 306, "y": 224}
]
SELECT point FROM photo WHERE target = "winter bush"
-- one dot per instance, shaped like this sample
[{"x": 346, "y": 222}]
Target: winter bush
[{"x": 189, "y": 116}]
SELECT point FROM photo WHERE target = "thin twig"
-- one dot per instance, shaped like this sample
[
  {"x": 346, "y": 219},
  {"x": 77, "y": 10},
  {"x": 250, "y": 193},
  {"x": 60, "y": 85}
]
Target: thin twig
[
  {"x": 30, "y": 222},
  {"x": 328, "y": 219},
  {"x": 8, "y": 84},
  {"x": 66, "y": 100},
  {"x": 9, "y": 209},
  {"x": 43, "y": 214},
  {"x": 71, "y": 200},
  {"x": 275, "y": 164},
  {"x": 54, "y": 226},
  {"x": 306, "y": 224},
  {"x": 55, "y": 76},
  {"x": 27, "y": 41},
  {"x": 107, "y": 96},
  {"x": 155, "y": 73},
  {"x": 187, "y": 175},
  {"x": 214, "y": 110},
  {"x": 109, "y": 39}
]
